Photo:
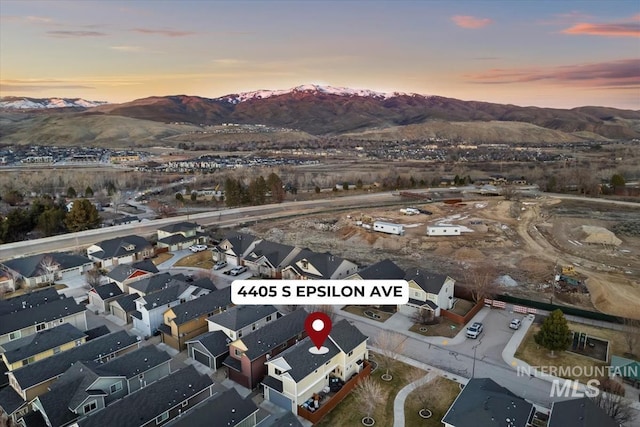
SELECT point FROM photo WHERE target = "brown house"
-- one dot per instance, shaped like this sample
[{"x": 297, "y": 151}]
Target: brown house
[
  {"x": 188, "y": 320},
  {"x": 248, "y": 354}
]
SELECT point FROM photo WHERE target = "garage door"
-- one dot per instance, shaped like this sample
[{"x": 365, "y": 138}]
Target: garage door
[
  {"x": 279, "y": 399},
  {"x": 201, "y": 357},
  {"x": 73, "y": 272},
  {"x": 407, "y": 309}
]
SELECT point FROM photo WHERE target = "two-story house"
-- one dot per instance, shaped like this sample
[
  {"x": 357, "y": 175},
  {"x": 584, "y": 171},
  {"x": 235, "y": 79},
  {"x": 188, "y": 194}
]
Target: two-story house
[
  {"x": 87, "y": 387},
  {"x": 156, "y": 404},
  {"x": 32, "y": 348},
  {"x": 121, "y": 250},
  {"x": 582, "y": 412},
  {"x": 100, "y": 297},
  {"x": 46, "y": 268},
  {"x": 228, "y": 409},
  {"x": 234, "y": 248},
  {"x": 382, "y": 270},
  {"x": 179, "y": 236},
  {"x": 123, "y": 308},
  {"x": 186, "y": 321},
  {"x": 268, "y": 259},
  {"x": 428, "y": 291},
  {"x": 155, "y": 283},
  {"x": 124, "y": 274},
  {"x": 296, "y": 374},
  {"x": 248, "y": 354},
  {"x": 211, "y": 348},
  {"x": 312, "y": 265}
]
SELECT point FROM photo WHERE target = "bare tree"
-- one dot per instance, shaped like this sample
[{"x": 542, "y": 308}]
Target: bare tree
[
  {"x": 389, "y": 345},
  {"x": 117, "y": 199},
  {"x": 480, "y": 281},
  {"x": 326, "y": 309},
  {"x": 632, "y": 334},
  {"x": 611, "y": 400},
  {"x": 93, "y": 277},
  {"x": 368, "y": 395},
  {"x": 424, "y": 399},
  {"x": 48, "y": 267},
  {"x": 424, "y": 317},
  {"x": 508, "y": 192}
]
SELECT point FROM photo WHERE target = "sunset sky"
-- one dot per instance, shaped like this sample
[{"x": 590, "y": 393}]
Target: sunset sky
[{"x": 545, "y": 53}]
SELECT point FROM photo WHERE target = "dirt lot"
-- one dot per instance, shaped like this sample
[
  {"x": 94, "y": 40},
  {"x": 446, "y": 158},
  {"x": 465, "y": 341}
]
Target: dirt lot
[{"x": 526, "y": 240}]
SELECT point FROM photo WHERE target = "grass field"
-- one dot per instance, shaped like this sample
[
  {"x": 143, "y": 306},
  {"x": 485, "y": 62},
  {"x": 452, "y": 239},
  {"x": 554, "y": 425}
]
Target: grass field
[
  {"x": 441, "y": 391},
  {"x": 198, "y": 260},
  {"x": 462, "y": 306},
  {"x": 359, "y": 310},
  {"x": 446, "y": 328},
  {"x": 160, "y": 258}
]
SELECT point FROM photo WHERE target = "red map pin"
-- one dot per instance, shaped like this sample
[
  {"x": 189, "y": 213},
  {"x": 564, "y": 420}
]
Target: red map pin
[{"x": 318, "y": 327}]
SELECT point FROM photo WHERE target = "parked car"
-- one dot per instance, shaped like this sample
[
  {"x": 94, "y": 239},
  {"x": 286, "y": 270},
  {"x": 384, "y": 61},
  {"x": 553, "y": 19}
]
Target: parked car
[
  {"x": 220, "y": 265},
  {"x": 198, "y": 248},
  {"x": 235, "y": 271},
  {"x": 474, "y": 330},
  {"x": 515, "y": 324}
]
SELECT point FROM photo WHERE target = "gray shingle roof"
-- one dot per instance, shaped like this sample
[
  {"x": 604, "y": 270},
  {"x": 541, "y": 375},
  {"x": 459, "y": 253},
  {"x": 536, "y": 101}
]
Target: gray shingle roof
[
  {"x": 579, "y": 413},
  {"x": 227, "y": 409},
  {"x": 202, "y": 306},
  {"x": 155, "y": 283},
  {"x": 26, "y": 301},
  {"x": 240, "y": 242},
  {"x": 31, "y": 266},
  {"x": 216, "y": 342},
  {"x": 43, "y": 370},
  {"x": 429, "y": 282},
  {"x": 484, "y": 403},
  {"x": 287, "y": 420},
  {"x": 127, "y": 302},
  {"x": 10, "y": 400},
  {"x": 275, "y": 253},
  {"x": 34, "y": 419},
  {"x": 146, "y": 404},
  {"x": 420, "y": 303},
  {"x": 175, "y": 239},
  {"x": 107, "y": 291},
  {"x": 97, "y": 332},
  {"x": 164, "y": 296},
  {"x": 31, "y": 345},
  {"x": 383, "y": 270},
  {"x": 51, "y": 310},
  {"x": 56, "y": 402},
  {"x": 239, "y": 317},
  {"x": 346, "y": 336},
  {"x": 180, "y": 226},
  {"x": 303, "y": 362},
  {"x": 326, "y": 263},
  {"x": 123, "y": 271},
  {"x": 133, "y": 363},
  {"x": 205, "y": 283},
  {"x": 116, "y": 247}
]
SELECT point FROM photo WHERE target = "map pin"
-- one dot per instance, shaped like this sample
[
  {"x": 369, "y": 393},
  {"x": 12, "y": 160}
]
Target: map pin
[{"x": 318, "y": 327}]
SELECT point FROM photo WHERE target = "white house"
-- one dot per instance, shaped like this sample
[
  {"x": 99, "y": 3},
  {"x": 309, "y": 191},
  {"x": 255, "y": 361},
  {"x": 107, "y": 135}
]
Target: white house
[
  {"x": 443, "y": 230},
  {"x": 428, "y": 291},
  {"x": 180, "y": 236},
  {"x": 235, "y": 247}
]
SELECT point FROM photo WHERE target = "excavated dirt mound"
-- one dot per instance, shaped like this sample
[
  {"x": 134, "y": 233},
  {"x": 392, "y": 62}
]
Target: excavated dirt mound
[
  {"x": 468, "y": 254},
  {"x": 599, "y": 236}
]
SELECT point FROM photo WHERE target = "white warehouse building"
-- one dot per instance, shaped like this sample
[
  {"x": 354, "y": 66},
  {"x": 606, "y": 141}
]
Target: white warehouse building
[{"x": 443, "y": 230}]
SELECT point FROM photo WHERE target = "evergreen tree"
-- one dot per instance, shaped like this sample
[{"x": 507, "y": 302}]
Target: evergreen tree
[
  {"x": 71, "y": 193},
  {"x": 194, "y": 196},
  {"x": 232, "y": 194},
  {"x": 179, "y": 197},
  {"x": 51, "y": 221},
  {"x": 274, "y": 183},
  {"x": 82, "y": 216},
  {"x": 317, "y": 189},
  {"x": 16, "y": 225},
  {"x": 359, "y": 184},
  {"x": 554, "y": 333},
  {"x": 617, "y": 180},
  {"x": 88, "y": 192},
  {"x": 258, "y": 191}
]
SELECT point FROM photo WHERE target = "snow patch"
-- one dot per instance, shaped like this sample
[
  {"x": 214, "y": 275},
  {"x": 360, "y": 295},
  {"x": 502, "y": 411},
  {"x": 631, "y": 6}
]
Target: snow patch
[
  {"x": 46, "y": 103},
  {"x": 506, "y": 281}
]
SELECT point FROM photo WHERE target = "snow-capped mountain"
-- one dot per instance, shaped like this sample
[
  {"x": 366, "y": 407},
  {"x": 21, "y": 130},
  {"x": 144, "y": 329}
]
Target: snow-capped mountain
[
  {"x": 16, "y": 103},
  {"x": 312, "y": 89}
]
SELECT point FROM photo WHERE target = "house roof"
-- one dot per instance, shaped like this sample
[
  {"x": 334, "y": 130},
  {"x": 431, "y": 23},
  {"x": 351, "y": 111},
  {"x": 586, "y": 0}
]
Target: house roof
[
  {"x": 275, "y": 253},
  {"x": 429, "y": 282},
  {"x": 97, "y": 332},
  {"x": 175, "y": 239},
  {"x": 116, "y": 247},
  {"x": 326, "y": 263},
  {"x": 127, "y": 302},
  {"x": 34, "y": 419},
  {"x": 164, "y": 296},
  {"x": 178, "y": 227},
  {"x": 155, "y": 283},
  {"x": 57, "y": 401},
  {"x": 202, "y": 306},
  {"x": 31, "y": 345},
  {"x": 239, "y": 317},
  {"x": 626, "y": 367},
  {"x": 205, "y": 283},
  {"x": 133, "y": 363},
  {"x": 53, "y": 366},
  {"x": 216, "y": 342},
  {"x": 10, "y": 401},
  {"x": 227, "y": 409},
  {"x": 109, "y": 290},
  {"x": 52, "y": 310},
  {"x": 240, "y": 242},
  {"x": 274, "y": 334},
  {"x": 32, "y": 266},
  {"x": 484, "y": 403},
  {"x": 420, "y": 303},
  {"x": 346, "y": 336},
  {"x": 125, "y": 219},
  {"x": 146, "y": 404},
  {"x": 123, "y": 271},
  {"x": 287, "y": 420},
  {"x": 383, "y": 270},
  {"x": 581, "y": 412},
  {"x": 302, "y": 361},
  {"x": 273, "y": 383},
  {"x": 27, "y": 301}
]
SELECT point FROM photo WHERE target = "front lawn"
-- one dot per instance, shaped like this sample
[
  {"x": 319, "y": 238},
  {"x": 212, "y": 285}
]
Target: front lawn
[
  {"x": 347, "y": 414},
  {"x": 445, "y": 328},
  {"x": 198, "y": 260},
  {"x": 160, "y": 258},
  {"x": 373, "y": 314},
  {"x": 441, "y": 391}
]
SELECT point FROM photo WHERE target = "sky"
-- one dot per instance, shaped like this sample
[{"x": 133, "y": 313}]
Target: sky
[{"x": 545, "y": 53}]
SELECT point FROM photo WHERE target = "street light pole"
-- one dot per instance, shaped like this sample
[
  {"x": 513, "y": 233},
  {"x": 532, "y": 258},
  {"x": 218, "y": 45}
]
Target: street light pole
[{"x": 473, "y": 369}]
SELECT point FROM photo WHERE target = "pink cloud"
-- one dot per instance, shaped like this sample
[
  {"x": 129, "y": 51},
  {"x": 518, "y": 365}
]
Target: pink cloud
[
  {"x": 616, "y": 29},
  {"x": 163, "y": 32},
  {"x": 472, "y": 22}
]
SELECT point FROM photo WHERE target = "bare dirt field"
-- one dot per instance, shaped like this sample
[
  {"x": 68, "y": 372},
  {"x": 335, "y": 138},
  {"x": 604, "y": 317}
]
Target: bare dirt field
[{"x": 527, "y": 240}]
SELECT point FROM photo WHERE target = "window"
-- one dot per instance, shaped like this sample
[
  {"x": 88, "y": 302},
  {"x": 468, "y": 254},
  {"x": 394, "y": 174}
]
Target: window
[
  {"x": 237, "y": 352},
  {"x": 56, "y": 350},
  {"x": 278, "y": 371},
  {"x": 61, "y": 321},
  {"x": 91, "y": 406},
  {"x": 239, "y": 334},
  {"x": 284, "y": 345},
  {"x": 269, "y": 318},
  {"x": 27, "y": 361},
  {"x": 351, "y": 353},
  {"x": 141, "y": 377},
  {"x": 253, "y": 327},
  {"x": 162, "y": 418},
  {"x": 15, "y": 335},
  {"x": 185, "y": 403},
  {"x": 115, "y": 387},
  {"x": 41, "y": 327}
]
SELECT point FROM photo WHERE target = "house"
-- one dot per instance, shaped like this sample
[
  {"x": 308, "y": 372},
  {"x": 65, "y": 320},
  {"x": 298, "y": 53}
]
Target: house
[
  {"x": 234, "y": 248},
  {"x": 127, "y": 219},
  {"x": 189, "y": 319},
  {"x": 517, "y": 180},
  {"x": 46, "y": 268},
  {"x": 32, "y": 381},
  {"x": 443, "y": 230},
  {"x": 581, "y": 412},
  {"x": 248, "y": 354},
  {"x": 36, "y": 315},
  {"x": 87, "y": 387},
  {"x": 482, "y": 402},
  {"x": 428, "y": 291},
  {"x": 156, "y": 283},
  {"x": 121, "y": 250},
  {"x": 32, "y": 348},
  {"x": 156, "y": 404},
  {"x": 123, "y": 307},
  {"x": 627, "y": 369},
  {"x": 383, "y": 270},
  {"x": 210, "y": 349},
  {"x": 350, "y": 186},
  {"x": 150, "y": 308},
  {"x": 179, "y": 236},
  {"x": 242, "y": 320},
  {"x": 267, "y": 259},
  {"x": 124, "y": 274},
  {"x": 228, "y": 409},
  {"x": 100, "y": 297},
  {"x": 296, "y": 375},
  {"x": 311, "y": 265},
  {"x": 498, "y": 179}
]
